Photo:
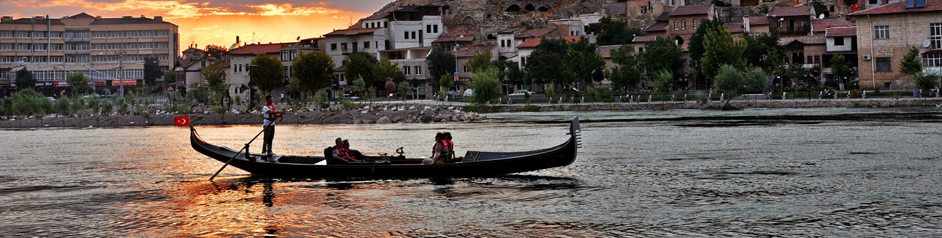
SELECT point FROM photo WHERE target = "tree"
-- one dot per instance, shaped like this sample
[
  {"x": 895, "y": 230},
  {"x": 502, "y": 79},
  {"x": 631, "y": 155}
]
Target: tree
[
  {"x": 696, "y": 45},
  {"x": 660, "y": 54},
  {"x": 759, "y": 49},
  {"x": 548, "y": 63},
  {"x": 839, "y": 68},
  {"x": 25, "y": 79},
  {"x": 910, "y": 64},
  {"x": 485, "y": 86},
  {"x": 404, "y": 88},
  {"x": 587, "y": 60},
  {"x": 663, "y": 81},
  {"x": 446, "y": 81},
  {"x": 730, "y": 81},
  {"x": 215, "y": 76},
  {"x": 756, "y": 80},
  {"x": 78, "y": 82},
  {"x": 362, "y": 65},
  {"x": 170, "y": 77},
  {"x": 266, "y": 73},
  {"x": 626, "y": 74},
  {"x": 216, "y": 51},
  {"x": 360, "y": 85},
  {"x": 441, "y": 61},
  {"x": 480, "y": 61},
  {"x": 508, "y": 72},
  {"x": 613, "y": 32},
  {"x": 314, "y": 71},
  {"x": 151, "y": 70},
  {"x": 926, "y": 81},
  {"x": 388, "y": 70},
  {"x": 721, "y": 49}
]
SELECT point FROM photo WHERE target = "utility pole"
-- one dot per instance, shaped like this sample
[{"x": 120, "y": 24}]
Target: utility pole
[{"x": 121, "y": 70}]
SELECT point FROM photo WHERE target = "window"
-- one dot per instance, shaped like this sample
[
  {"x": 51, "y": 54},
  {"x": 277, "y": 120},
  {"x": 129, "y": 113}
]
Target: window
[
  {"x": 418, "y": 70},
  {"x": 366, "y": 45},
  {"x": 884, "y": 64},
  {"x": 99, "y": 34},
  {"x": 428, "y": 28},
  {"x": 333, "y": 46},
  {"x": 434, "y": 28},
  {"x": 466, "y": 69},
  {"x": 817, "y": 59},
  {"x": 675, "y": 25},
  {"x": 644, "y": 10},
  {"x": 881, "y": 32},
  {"x": 6, "y": 34},
  {"x": 683, "y": 24},
  {"x": 932, "y": 60},
  {"x": 838, "y": 40},
  {"x": 874, "y": 2},
  {"x": 161, "y": 33},
  {"x": 405, "y": 70},
  {"x": 935, "y": 35},
  {"x": 413, "y": 35},
  {"x": 343, "y": 46},
  {"x": 6, "y": 46},
  {"x": 694, "y": 24}
]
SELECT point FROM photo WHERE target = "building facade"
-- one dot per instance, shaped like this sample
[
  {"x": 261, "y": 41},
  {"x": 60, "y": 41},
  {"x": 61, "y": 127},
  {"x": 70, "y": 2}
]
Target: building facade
[{"x": 107, "y": 50}]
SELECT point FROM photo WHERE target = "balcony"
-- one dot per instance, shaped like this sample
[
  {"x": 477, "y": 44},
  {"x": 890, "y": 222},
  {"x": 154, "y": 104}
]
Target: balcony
[
  {"x": 82, "y": 52},
  {"x": 76, "y": 39}
]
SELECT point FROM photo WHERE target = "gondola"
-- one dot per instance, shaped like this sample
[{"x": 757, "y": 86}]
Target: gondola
[{"x": 474, "y": 164}]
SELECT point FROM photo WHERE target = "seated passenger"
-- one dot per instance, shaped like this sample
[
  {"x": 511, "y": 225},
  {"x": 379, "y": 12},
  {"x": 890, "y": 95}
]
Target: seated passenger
[
  {"x": 355, "y": 154},
  {"x": 439, "y": 151},
  {"x": 446, "y": 140},
  {"x": 340, "y": 155}
]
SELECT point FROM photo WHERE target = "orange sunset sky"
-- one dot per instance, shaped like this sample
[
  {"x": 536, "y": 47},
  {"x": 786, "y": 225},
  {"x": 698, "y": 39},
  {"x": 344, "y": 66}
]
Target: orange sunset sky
[{"x": 216, "y": 22}]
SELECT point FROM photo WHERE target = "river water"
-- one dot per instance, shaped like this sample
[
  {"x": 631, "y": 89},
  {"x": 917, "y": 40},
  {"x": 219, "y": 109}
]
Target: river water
[{"x": 781, "y": 172}]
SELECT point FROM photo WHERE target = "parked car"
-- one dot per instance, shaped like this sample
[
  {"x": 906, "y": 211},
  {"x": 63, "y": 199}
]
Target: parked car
[{"x": 521, "y": 92}]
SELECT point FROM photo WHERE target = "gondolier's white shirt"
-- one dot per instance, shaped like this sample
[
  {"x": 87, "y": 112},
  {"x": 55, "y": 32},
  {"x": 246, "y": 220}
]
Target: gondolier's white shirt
[{"x": 265, "y": 112}]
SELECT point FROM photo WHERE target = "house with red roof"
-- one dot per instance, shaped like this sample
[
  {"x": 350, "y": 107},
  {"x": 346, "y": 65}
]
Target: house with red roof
[
  {"x": 240, "y": 63},
  {"x": 886, "y": 33},
  {"x": 792, "y": 21}
]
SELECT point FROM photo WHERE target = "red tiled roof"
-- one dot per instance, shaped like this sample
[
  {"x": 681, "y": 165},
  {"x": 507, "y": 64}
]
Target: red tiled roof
[
  {"x": 758, "y": 21},
  {"x": 657, "y": 26},
  {"x": 790, "y": 11},
  {"x": 534, "y": 42},
  {"x": 257, "y": 48},
  {"x": 350, "y": 32},
  {"x": 820, "y": 25},
  {"x": 807, "y": 40},
  {"x": 537, "y": 32},
  {"x": 735, "y": 28},
  {"x": 460, "y": 30},
  {"x": 841, "y": 31},
  {"x": 469, "y": 51},
  {"x": 663, "y": 17},
  {"x": 643, "y": 39},
  {"x": 606, "y": 50},
  {"x": 692, "y": 10},
  {"x": 900, "y": 7}
]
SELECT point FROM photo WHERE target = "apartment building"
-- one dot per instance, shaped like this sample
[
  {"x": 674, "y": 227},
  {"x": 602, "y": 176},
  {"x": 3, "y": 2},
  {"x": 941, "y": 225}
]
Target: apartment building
[
  {"x": 239, "y": 62},
  {"x": 886, "y": 33},
  {"x": 108, "y": 50}
]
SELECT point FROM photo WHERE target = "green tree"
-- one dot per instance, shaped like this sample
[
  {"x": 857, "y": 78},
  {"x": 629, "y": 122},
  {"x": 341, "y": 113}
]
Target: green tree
[
  {"x": 548, "y": 63},
  {"x": 404, "y": 89},
  {"x": 613, "y": 32},
  {"x": 446, "y": 81},
  {"x": 910, "y": 64},
  {"x": 586, "y": 60},
  {"x": 759, "y": 49},
  {"x": 480, "y": 61},
  {"x": 626, "y": 73},
  {"x": 663, "y": 81},
  {"x": 387, "y": 69},
  {"x": 696, "y": 45},
  {"x": 660, "y": 54},
  {"x": 441, "y": 61},
  {"x": 78, "y": 82},
  {"x": 362, "y": 65},
  {"x": 721, "y": 49},
  {"x": 266, "y": 73},
  {"x": 730, "y": 81},
  {"x": 360, "y": 84},
  {"x": 314, "y": 71},
  {"x": 839, "y": 68},
  {"x": 25, "y": 79},
  {"x": 508, "y": 72},
  {"x": 215, "y": 76},
  {"x": 151, "y": 70},
  {"x": 926, "y": 81},
  {"x": 756, "y": 80},
  {"x": 170, "y": 77},
  {"x": 485, "y": 85}
]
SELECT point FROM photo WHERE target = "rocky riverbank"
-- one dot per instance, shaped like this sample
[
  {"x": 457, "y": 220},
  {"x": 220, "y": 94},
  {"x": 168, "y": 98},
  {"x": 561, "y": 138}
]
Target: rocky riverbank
[{"x": 366, "y": 115}]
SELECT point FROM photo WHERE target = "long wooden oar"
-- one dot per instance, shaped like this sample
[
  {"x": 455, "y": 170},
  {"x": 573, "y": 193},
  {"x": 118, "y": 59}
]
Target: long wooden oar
[{"x": 240, "y": 152}]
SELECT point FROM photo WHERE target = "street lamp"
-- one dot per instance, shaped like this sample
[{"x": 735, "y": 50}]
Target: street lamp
[{"x": 121, "y": 70}]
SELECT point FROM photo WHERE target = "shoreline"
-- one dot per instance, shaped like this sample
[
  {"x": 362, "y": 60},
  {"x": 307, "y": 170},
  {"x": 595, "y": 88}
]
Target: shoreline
[{"x": 425, "y": 111}]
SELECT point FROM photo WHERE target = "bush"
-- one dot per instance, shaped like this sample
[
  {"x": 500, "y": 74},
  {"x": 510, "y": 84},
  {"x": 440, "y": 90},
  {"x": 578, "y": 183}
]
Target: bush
[
  {"x": 63, "y": 106},
  {"x": 602, "y": 93},
  {"x": 530, "y": 108},
  {"x": 107, "y": 106},
  {"x": 348, "y": 104},
  {"x": 78, "y": 105}
]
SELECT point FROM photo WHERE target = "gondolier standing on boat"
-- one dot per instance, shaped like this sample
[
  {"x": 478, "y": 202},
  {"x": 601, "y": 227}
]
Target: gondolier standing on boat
[{"x": 269, "y": 113}]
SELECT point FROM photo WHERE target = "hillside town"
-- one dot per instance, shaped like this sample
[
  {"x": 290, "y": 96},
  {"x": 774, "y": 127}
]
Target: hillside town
[{"x": 872, "y": 36}]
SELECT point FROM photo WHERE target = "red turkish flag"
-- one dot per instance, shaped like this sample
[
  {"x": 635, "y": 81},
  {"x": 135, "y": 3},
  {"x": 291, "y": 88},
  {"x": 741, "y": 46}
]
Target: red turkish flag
[
  {"x": 181, "y": 121},
  {"x": 855, "y": 7}
]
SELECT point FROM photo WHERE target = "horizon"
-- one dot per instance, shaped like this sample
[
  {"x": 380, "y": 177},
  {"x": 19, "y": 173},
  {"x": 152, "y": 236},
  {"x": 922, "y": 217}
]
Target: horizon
[{"x": 216, "y": 23}]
